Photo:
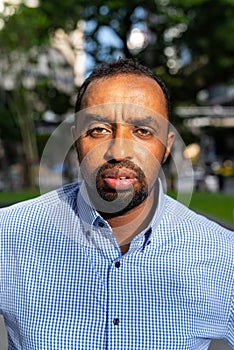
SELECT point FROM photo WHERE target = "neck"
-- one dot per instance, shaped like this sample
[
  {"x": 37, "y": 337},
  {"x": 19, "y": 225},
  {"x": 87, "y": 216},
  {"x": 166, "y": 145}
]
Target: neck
[{"x": 126, "y": 225}]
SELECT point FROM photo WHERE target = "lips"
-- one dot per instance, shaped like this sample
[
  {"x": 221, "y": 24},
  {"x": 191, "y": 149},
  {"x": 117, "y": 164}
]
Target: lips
[{"x": 119, "y": 179}]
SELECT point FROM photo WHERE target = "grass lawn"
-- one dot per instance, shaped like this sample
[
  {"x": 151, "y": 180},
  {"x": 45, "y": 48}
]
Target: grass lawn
[
  {"x": 215, "y": 205},
  {"x": 219, "y": 205},
  {"x": 14, "y": 197}
]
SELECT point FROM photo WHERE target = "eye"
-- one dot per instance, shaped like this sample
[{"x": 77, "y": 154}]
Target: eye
[
  {"x": 99, "y": 132},
  {"x": 143, "y": 133}
]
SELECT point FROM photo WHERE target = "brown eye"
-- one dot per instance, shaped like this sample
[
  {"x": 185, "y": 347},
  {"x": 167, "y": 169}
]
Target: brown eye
[
  {"x": 143, "y": 133},
  {"x": 99, "y": 132}
]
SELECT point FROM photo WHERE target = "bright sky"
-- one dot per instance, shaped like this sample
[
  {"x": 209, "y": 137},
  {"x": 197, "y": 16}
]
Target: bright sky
[
  {"x": 13, "y": 2},
  {"x": 29, "y": 3}
]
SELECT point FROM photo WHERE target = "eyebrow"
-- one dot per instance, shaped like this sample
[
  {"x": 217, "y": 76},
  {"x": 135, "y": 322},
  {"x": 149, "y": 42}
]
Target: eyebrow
[
  {"x": 143, "y": 121},
  {"x": 96, "y": 118}
]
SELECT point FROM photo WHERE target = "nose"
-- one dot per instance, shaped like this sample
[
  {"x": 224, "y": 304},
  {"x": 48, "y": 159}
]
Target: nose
[{"x": 120, "y": 147}]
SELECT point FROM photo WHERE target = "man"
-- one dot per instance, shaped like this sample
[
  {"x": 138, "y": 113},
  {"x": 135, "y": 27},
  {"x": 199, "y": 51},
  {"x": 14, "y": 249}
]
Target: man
[{"x": 111, "y": 262}]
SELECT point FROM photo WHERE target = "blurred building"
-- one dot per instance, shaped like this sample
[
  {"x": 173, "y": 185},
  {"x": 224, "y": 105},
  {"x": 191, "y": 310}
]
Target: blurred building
[{"x": 212, "y": 124}]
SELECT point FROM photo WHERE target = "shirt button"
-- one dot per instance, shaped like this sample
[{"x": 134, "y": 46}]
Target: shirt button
[
  {"x": 101, "y": 224},
  {"x": 116, "y": 321},
  {"x": 117, "y": 264}
]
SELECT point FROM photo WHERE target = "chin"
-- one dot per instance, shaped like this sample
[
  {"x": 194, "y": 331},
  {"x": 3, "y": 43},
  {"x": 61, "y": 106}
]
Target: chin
[{"x": 123, "y": 201}]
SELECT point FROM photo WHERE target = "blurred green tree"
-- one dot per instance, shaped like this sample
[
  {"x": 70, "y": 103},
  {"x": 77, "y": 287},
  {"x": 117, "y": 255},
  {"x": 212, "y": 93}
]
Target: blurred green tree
[
  {"x": 189, "y": 43},
  {"x": 186, "y": 40}
]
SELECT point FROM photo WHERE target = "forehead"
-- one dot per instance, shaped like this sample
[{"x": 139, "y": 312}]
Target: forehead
[{"x": 134, "y": 89}]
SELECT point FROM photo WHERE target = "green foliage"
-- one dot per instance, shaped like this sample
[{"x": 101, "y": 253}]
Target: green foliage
[
  {"x": 198, "y": 33},
  {"x": 208, "y": 31},
  {"x": 27, "y": 28},
  {"x": 30, "y": 27}
]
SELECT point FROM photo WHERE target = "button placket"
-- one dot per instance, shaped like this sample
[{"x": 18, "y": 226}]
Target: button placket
[{"x": 115, "y": 301}]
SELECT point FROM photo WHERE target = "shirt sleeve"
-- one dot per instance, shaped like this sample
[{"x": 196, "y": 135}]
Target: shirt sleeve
[
  {"x": 231, "y": 323},
  {"x": 1, "y": 262}
]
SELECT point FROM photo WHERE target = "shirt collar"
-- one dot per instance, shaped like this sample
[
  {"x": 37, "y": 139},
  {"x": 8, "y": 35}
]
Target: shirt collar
[
  {"x": 160, "y": 207},
  {"x": 148, "y": 233},
  {"x": 86, "y": 212}
]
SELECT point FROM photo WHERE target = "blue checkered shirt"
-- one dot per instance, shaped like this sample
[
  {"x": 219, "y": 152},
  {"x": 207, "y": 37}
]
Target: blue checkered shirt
[{"x": 65, "y": 284}]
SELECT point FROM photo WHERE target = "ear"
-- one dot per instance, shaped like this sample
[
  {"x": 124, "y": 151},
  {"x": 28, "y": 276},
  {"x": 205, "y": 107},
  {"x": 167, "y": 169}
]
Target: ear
[{"x": 170, "y": 140}]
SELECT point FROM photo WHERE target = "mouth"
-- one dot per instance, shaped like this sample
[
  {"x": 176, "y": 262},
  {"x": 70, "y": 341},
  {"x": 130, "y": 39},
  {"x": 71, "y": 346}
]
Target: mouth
[{"x": 119, "y": 179}]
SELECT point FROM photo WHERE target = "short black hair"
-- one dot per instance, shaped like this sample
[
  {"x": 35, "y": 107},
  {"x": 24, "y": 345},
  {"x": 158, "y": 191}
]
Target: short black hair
[{"x": 121, "y": 66}]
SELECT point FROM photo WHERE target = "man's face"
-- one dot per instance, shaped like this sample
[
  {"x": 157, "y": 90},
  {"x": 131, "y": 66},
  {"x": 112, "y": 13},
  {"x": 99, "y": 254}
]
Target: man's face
[{"x": 122, "y": 139}]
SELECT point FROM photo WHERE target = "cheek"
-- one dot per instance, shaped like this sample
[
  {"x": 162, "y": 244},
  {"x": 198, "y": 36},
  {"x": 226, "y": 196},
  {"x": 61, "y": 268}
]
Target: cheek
[
  {"x": 88, "y": 151},
  {"x": 149, "y": 155},
  {"x": 90, "y": 160},
  {"x": 140, "y": 151},
  {"x": 149, "y": 159}
]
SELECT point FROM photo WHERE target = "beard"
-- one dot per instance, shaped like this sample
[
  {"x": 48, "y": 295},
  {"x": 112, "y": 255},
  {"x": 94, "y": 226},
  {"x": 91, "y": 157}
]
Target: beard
[{"x": 124, "y": 199}]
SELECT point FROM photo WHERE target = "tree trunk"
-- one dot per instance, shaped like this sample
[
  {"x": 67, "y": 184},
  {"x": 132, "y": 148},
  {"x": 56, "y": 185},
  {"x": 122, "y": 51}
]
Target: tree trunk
[{"x": 22, "y": 110}]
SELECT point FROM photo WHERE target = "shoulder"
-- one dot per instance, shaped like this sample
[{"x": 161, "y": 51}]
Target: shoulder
[
  {"x": 196, "y": 231},
  {"x": 202, "y": 244}
]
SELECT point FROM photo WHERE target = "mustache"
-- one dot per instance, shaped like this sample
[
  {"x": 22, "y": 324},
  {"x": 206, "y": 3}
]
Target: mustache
[{"x": 125, "y": 163}]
